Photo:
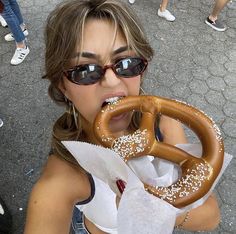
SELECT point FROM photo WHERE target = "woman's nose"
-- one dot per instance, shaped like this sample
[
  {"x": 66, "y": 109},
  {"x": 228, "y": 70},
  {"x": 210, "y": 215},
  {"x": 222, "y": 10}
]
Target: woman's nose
[{"x": 110, "y": 78}]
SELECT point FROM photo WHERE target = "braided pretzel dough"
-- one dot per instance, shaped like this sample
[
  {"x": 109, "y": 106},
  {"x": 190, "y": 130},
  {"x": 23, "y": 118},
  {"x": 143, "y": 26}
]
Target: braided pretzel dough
[{"x": 198, "y": 174}]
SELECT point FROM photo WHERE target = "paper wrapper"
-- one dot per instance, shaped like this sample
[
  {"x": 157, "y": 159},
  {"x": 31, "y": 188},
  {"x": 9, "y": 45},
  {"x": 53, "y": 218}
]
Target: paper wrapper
[{"x": 139, "y": 211}]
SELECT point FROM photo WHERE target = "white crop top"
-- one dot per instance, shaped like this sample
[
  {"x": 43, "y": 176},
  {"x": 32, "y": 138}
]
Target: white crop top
[{"x": 101, "y": 210}]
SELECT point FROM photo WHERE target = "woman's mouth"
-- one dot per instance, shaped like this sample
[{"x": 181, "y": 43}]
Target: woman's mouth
[{"x": 111, "y": 100}]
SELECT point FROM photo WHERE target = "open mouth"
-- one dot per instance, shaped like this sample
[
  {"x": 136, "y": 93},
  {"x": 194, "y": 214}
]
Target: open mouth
[{"x": 112, "y": 100}]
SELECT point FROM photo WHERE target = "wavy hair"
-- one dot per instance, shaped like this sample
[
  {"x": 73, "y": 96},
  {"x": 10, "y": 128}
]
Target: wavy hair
[{"x": 63, "y": 34}]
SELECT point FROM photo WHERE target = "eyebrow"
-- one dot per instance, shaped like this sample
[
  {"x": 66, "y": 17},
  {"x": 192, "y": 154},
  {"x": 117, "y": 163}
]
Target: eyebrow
[
  {"x": 94, "y": 56},
  {"x": 89, "y": 55},
  {"x": 85, "y": 55},
  {"x": 120, "y": 50}
]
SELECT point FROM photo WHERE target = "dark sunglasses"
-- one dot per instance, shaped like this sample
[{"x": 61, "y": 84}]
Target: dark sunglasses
[{"x": 86, "y": 74}]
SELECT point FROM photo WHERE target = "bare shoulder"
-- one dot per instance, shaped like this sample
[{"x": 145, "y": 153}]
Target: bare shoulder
[
  {"x": 53, "y": 197},
  {"x": 64, "y": 178},
  {"x": 172, "y": 130},
  {"x": 167, "y": 122}
]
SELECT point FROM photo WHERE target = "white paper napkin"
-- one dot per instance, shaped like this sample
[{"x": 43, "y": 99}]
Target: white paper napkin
[{"x": 139, "y": 211}]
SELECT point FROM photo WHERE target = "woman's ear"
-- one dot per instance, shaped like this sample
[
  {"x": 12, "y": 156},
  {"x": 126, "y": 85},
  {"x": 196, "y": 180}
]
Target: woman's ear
[{"x": 62, "y": 88}]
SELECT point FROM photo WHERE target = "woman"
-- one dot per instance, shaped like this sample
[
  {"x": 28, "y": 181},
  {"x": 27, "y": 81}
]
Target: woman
[
  {"x": 82, "y": 38},
  {"x": 12, "y": 15}
]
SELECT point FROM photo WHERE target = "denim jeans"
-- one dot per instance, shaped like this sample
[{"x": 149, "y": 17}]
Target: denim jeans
[
  {"x": 12, "y": 15},
  {"x": 77, "y": 225}
]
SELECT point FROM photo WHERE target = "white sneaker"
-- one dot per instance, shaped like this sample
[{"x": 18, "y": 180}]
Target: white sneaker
[
  {"x": 131, "y": 1},
  {"x": 166, "y": 14},
  {"x": 3, "y": 21},
  {"x": 10, "y": 37},
  {"x": 19, "y": 55}
]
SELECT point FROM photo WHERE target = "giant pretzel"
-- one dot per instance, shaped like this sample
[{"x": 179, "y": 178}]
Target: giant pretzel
[{"x": 198, "y": 174}]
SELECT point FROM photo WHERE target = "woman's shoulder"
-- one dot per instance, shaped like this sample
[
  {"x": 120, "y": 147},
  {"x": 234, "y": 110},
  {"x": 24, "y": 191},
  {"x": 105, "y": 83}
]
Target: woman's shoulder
[{"x": 64, "y": 179}]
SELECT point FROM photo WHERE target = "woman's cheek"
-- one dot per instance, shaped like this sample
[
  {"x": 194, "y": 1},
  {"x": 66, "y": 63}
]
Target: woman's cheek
[{"x": 133, "y": 85}]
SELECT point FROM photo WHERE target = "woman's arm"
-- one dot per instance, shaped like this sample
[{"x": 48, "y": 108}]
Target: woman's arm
[
  {"x": 49, "y": 211},
  {"x": 203, "y": 218},
  {"x": 53, "y": 198}
]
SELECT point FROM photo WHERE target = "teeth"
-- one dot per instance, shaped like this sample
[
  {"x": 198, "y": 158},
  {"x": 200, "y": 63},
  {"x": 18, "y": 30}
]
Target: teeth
[{"x": 112, "y": 100}]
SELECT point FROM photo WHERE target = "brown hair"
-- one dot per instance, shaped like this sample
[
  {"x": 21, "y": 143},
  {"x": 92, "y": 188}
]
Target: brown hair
[{"x": 63, "y": 33}]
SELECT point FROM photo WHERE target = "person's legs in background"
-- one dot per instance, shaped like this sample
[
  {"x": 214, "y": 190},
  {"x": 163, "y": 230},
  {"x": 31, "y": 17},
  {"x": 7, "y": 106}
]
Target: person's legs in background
[
  {"x": 212, "y": 19},
  {"x": 16, "y": 10},
  {"x": 13, "y": 17},
  {"x": 164, "y": 13}
]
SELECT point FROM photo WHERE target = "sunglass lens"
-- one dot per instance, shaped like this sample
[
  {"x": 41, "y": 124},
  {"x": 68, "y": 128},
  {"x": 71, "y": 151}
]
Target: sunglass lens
[
  {"x": 87, "y": 74},
  {"x": 130, "y": 67}
]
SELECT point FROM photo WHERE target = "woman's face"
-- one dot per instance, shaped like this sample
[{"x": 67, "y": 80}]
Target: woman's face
[{"x": 99, "y": 47}]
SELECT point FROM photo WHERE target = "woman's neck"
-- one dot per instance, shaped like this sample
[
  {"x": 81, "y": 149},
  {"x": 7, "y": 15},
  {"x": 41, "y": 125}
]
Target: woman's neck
[{"x": 88, "y": 132}]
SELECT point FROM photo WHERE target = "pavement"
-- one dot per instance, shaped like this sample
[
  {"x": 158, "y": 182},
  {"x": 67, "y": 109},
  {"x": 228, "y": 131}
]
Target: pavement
[{"x": 192, "y": 63}]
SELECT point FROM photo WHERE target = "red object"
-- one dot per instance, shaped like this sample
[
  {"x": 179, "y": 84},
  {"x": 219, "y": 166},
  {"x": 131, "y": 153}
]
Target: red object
[{"x": 120, "y": 185}]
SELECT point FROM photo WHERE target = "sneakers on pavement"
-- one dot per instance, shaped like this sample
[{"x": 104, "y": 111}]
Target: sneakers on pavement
[
  {"x": 5, "y": 218},
  {"x": 131, "y": 1},
  {"x": 19, "y": 55},
  {"x": 10, "y": 37},
  {"x": 166, "y": 14},
  {"x": 217, "y": 25},
  {"x": 3, "y": 22}
]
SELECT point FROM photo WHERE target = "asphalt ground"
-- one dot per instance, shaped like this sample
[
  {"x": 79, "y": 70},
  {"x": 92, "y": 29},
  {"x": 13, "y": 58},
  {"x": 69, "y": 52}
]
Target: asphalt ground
[{"x": 192, "y": 63}]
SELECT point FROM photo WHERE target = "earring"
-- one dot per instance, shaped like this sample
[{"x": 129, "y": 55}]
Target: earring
[
  {"x": 75, "y": 115},
  {"x": 68, "y": 105},
  {"x": 142, "y": 90},
  {"x": 71, "y": 110}
]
